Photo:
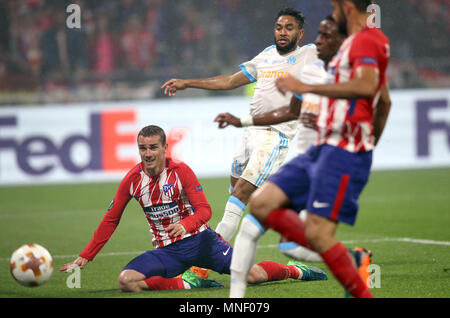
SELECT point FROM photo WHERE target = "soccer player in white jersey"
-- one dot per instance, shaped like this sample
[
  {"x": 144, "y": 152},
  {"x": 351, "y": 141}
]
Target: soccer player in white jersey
[
  {"x": 303, "y": 108},
  {"x": 328, "y": 41},
  {"x": 329, "y": 177},
  {"x": 263, "y": 149}
]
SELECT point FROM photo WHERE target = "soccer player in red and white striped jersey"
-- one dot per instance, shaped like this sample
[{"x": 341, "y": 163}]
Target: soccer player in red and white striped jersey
[
  {"x": 328, "y": 179},
  {"x": 177, "y": 211}
]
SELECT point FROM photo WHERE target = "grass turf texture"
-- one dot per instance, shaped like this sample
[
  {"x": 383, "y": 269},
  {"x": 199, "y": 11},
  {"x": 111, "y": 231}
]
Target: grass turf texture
[{"x": 395, "y": 204}]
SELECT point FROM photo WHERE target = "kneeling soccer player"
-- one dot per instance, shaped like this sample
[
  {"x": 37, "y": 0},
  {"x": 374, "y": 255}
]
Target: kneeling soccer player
[{"x": 177, "y": 211}]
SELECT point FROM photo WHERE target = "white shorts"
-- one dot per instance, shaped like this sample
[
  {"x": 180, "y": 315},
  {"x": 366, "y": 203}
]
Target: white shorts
[
  {"x": 261, "y": 152},
  {"x": 306, "y": 138}
]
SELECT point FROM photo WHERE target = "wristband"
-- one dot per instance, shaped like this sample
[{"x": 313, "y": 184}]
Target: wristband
[{"x": 247, "y": 121}]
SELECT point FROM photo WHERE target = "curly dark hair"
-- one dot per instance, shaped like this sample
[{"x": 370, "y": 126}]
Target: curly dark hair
[{"x": 299, "y": 17}]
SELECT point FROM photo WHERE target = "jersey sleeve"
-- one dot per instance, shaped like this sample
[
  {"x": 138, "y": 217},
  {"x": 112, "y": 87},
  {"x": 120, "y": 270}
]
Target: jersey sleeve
[
  {"x": 197, "y": 198},
  {"x": 369, "y": 51},
  {"x": 312, "y": 73},
  {"x": 109, "y": 222},
  {"x": 250, "y": 68},
  {"x": 311, "y": 54}
]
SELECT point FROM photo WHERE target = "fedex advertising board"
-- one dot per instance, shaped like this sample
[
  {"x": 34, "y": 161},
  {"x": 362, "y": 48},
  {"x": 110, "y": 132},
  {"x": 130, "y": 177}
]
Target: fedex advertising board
[
  {"x": 76, "y": 143},
  {"x": 97, "y": 142}
]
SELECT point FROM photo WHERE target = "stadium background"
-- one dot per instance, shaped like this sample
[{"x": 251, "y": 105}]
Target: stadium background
[
  {"x": 72, "y": 100},
  {"x": 190, "y": 38}
]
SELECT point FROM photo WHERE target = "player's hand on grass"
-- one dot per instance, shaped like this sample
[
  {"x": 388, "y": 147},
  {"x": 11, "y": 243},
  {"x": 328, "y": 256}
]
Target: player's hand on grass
[
  {"x": 291, "y": 84},
  {"x": 176, "y": 230},
  {"x": 171, "y": 86},
  {"x": 226, "y": 119},
  {"x": 79, "y": 262}
]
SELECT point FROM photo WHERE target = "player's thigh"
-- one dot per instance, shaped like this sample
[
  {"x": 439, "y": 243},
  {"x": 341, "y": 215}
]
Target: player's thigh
[
  {"x": 213, "y": 252},
  {"x": 158, "y": 262}
]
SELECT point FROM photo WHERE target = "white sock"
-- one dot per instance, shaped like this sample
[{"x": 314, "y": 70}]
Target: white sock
[
  {"x": 186, "y": 285},
  {"x": 298, "y": 252},
  {"x": 244, "y": 255},
  {"x": 231, "y": 218}
]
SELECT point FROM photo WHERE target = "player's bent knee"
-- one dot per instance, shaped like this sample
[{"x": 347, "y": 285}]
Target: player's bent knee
[
  {"x": 243, "y": 190},
  {"x": 127, "y": 280},
  {"x": 124, "y": 281}
]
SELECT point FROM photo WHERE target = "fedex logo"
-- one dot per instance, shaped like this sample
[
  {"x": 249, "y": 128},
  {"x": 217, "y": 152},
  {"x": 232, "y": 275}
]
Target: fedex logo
[
  {"x": 427, "y": 126},
  {"x": 102, "y": 141}
]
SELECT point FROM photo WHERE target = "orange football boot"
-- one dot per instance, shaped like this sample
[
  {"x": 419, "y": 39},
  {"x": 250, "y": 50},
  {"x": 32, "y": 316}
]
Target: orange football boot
[
  {"x": 201, "y": 272},
  {"x": 363, "y": 258}
]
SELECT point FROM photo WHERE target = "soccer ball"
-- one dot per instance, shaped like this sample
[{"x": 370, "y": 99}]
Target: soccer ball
[{"x": 31, "y": 265}]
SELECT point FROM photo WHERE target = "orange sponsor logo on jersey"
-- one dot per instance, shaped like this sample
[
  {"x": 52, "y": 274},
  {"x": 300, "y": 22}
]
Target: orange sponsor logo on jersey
[
  {"x": 271, "y": 74},
  {"x": 310, "y": 107}
]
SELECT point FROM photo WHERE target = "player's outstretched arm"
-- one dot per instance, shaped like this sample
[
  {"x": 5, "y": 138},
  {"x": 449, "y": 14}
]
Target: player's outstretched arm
[
  {"x": 79, "y": 262},
  {"x": 363, "y": 85},
  {"x": 277, "y": 116},
  {"x": 381, "y": 113},
  {"x": 222, "y": 82},
  {"x": 105, "y": 229}
]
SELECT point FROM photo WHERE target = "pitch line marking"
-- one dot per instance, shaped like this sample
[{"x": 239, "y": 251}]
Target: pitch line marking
[{"x": 386, "y": 239}]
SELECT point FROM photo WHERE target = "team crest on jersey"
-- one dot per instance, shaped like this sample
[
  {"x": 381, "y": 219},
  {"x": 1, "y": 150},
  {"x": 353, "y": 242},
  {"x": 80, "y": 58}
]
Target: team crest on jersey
[
  {"x": 291, "y": 60},
  {"x": 198, "y": 188},
  {"x": 168, "y": 189}
]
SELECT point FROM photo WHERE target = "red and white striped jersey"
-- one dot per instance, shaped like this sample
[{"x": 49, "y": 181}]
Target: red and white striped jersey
[
  {"x": 174, "y": 196},
  {"x": 348, "y": 123}
]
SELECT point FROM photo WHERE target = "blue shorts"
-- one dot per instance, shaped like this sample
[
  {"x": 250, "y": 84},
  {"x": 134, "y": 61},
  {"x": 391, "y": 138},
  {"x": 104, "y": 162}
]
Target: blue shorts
[
  {"x": 206, "y": 249},
  {"x": 326, "y": 180}
]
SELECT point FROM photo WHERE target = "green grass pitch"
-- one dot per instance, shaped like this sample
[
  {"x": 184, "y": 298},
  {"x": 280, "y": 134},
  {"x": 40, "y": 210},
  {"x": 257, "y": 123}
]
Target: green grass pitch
[{"x": 404, "y": 219}]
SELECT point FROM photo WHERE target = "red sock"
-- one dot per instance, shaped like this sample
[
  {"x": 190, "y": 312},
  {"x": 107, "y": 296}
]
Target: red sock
[
  {"x": 161, "y": 283},
  {"x": 277, "y": 271},
  {"x": 341, "y": 264},
  {"x": 288, "y": 223}
]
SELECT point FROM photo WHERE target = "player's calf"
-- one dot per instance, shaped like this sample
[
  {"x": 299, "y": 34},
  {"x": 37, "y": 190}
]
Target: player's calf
[{"x": 320, "y": 232}]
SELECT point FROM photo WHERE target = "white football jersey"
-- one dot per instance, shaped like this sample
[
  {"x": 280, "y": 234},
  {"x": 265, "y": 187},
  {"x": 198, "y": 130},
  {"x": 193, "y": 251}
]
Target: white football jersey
[
  {"x": 312, "y": 73},
  {"x": 264, "y": 69}
]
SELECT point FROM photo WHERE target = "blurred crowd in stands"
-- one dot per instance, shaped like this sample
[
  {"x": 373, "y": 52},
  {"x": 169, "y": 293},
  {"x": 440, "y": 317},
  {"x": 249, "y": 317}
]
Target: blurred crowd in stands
[{"x": 125, "y": 49}]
